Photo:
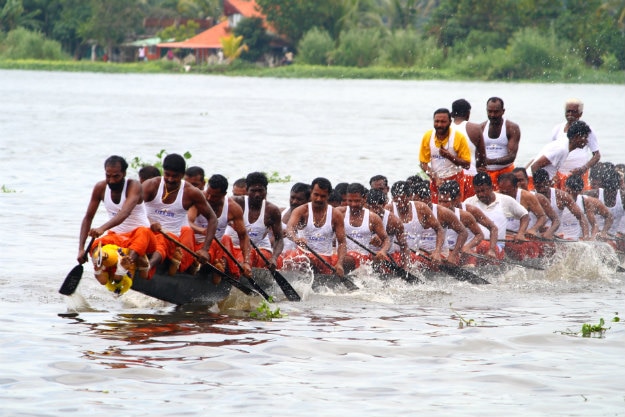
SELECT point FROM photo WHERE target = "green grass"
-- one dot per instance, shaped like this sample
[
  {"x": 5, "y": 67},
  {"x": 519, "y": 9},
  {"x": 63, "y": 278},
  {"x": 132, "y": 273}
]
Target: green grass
[{"x": 585, "y": 76}]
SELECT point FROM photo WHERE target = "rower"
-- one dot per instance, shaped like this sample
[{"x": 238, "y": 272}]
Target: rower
[
  {"x": 592, "y": 208},
  {"x": 300, "y": 194},
  {"x": 499, "y": 208},
  {"x": 167, "y": 200},
  {"x": 449, "y": 197},
  {"x": 553, "y": 220},
  {"x": 612, "y": 197},
  {"x": 416, "y": 217},
  {"x": 127, "y": 225},
  {"x": 560, "y": 201},
  {"x": 362, "y": 226},
  {"x": 259, "y": 216},
  {"x": 538, "y": 218},
  {"x": 399, "y": 252},
  {"x": 228, "y": 213},
  {"x": 448, "y": 221},
  {"x": 316, "y": 226}
]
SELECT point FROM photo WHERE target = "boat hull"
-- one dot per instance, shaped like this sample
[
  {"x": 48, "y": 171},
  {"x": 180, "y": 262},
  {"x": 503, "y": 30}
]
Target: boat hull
[{"x": 183, "y": 288}]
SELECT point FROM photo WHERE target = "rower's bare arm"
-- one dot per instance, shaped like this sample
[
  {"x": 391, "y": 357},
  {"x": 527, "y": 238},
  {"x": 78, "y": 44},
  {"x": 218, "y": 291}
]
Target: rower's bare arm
[
  {"x": 378, "y": 229},
  {"x": 338, "y": 225},
  {"x": 199, "y": 201},
  {"x": 275, "y": 219},
  {"x": 541, "y": 162},
  {"x": 299, "y": 217},
  {"x": 235, "y": 214},
  {"x": 471, "y": 224},
  {"x": 191, "y": 217}
]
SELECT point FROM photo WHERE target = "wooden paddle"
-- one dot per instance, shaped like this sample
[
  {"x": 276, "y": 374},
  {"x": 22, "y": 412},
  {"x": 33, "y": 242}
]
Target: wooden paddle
[
  {"x": 404, "y": 274},
  {"x": 75, "y": 275},
  {"x": 286, "y": 288},
  {"x": 349, "y": 284},
  {"x": 234, "y": 282},
  {"x": 453, "y": 270},
  {"x": 250, "y": 279}
]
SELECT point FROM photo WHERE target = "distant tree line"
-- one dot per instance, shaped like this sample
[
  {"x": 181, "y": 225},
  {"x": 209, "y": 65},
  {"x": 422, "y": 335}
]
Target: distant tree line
[{"x": 496, "y": 38}]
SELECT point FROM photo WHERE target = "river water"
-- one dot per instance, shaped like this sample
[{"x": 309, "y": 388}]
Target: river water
[{"x": 388, "y": 349}]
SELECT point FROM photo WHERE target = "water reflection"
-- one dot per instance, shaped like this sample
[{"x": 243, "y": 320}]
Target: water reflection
[{"x": 148, "y": 340}]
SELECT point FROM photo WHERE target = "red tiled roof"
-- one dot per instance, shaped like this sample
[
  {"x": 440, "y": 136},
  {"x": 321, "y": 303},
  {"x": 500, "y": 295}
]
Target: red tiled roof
[
  {"x": 209, "y": 39},
  {"x": 246, "y": 8}
]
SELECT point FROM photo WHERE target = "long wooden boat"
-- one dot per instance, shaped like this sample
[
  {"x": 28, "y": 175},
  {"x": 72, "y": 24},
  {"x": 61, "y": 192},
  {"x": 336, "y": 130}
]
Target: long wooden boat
[{"x": 183, "y": 288}]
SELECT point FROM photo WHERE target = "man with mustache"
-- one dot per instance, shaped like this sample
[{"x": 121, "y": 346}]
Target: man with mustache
[
  {"x": 444, "y": 153},
  {"x": 127, "y": 225}
]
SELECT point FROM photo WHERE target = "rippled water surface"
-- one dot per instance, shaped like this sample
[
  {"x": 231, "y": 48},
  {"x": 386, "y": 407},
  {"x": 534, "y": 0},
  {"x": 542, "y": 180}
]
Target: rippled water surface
[{"x": 387, "y": 349}]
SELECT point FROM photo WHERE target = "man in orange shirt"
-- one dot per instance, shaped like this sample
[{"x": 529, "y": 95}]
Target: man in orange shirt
[{"x": 444, "y": 153}]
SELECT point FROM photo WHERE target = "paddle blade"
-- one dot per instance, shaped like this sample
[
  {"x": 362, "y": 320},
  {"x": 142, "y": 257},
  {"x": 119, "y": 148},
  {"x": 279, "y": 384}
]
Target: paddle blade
[
  {"x": 349, "y": 284},
  {"x": 286, "y": 288},
  {"x": 462, "y": 274},
  {"x": 72, "y": 280}
]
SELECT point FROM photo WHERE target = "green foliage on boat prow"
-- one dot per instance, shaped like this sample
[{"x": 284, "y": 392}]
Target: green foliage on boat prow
[
  {"x": 137, "y": 162},
  {"x": 275, "y": 177}
]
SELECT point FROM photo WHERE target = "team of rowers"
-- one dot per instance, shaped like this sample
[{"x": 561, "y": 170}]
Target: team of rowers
[{"x": 476, "y": 207}]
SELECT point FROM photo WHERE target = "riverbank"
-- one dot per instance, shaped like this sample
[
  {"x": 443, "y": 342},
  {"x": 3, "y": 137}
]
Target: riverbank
[{"x": 585, "y": 76}]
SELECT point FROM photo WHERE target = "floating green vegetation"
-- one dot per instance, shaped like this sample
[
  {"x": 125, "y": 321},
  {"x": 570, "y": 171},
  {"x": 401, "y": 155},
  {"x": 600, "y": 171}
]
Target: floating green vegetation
[
  {"x": 462, "y": 322},
  {"x": 265, "y": 313},
  {"x": 6, "y": 189},
  {"x": 592, "y": 330}
]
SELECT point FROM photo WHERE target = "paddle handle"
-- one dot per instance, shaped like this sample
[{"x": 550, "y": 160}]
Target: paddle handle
[
  {"x": 250, "y": 279},
  {"x": 389, "y": 263},
  {"x": 234, "y": 282}
]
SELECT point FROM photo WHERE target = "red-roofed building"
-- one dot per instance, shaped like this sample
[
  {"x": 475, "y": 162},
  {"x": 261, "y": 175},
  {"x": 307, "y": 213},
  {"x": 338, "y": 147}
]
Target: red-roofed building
[{"x": 209, "y": 42}]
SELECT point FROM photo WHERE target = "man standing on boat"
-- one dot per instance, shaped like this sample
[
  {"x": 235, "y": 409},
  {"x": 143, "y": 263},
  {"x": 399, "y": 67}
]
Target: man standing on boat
[
  {"x": 577, "y": 162},
  {"x": 555, "y": 153},
  {"x": 444, "y": 152},
  {"x": 501, "y": 140},
  {"x": 228, "y": 213},
  {"x": 167, "y": 200},
  {"x": 361, "y": 225},
  {"x": 460, "y": 112},
  {"x": 316, "y": 226},
  {"x": 127, "y": 224},
  {"x": 259, "y": 216}
]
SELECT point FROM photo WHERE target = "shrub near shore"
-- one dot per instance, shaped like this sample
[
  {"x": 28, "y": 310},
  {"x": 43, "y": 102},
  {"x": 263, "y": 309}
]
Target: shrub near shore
[{"x": 577, "y": 75}]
